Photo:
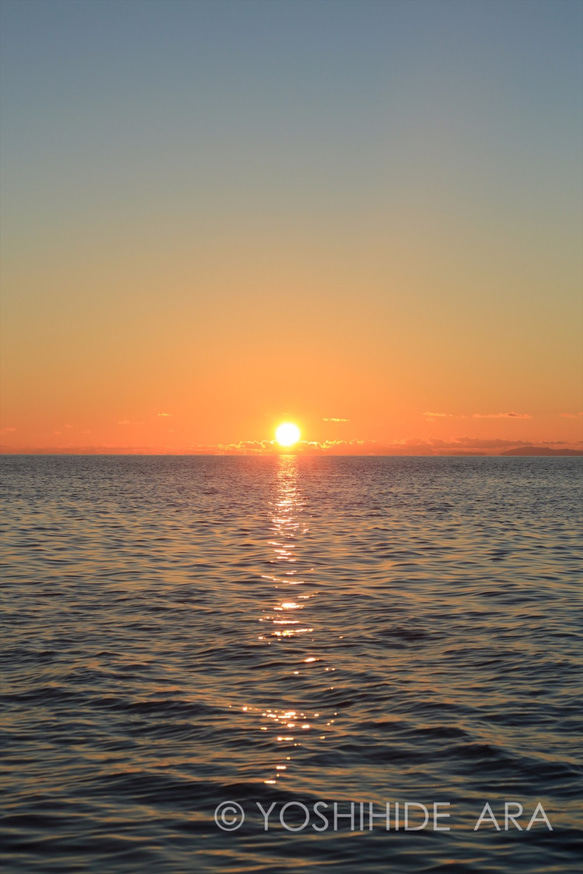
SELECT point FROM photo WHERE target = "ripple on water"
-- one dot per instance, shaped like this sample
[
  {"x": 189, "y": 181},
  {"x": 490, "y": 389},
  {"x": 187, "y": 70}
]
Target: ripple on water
[{"x": 182, "y": 632}]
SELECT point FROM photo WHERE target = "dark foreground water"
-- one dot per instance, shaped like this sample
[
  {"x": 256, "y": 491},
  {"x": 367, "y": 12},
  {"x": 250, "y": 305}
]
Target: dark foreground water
[{"x": 330, "y": 634}]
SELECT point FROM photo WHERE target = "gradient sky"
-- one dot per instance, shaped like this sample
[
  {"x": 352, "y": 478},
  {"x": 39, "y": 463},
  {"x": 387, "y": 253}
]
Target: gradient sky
[{"x": 366, "y": 217}]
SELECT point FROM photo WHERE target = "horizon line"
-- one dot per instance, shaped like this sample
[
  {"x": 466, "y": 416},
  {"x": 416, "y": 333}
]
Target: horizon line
[{"x": 520, "y": 452}]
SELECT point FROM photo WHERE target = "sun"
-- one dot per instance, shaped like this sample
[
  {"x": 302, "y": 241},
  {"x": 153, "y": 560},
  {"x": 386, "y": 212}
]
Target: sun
[{"x": 287, "y": 434}]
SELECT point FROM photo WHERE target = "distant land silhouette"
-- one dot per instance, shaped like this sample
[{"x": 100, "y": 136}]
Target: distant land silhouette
[{"x": 541, "y": 450}]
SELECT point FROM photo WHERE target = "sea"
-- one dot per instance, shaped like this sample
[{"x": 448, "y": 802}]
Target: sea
[{"x": 291, "y": 663}]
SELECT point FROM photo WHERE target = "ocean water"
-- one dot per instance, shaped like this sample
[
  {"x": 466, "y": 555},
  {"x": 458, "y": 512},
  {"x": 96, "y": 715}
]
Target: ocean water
[{"x": 187, "y": 641}]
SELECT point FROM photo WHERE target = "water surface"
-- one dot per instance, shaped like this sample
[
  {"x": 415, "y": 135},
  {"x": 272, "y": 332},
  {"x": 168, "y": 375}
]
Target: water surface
[{"x": 181, "y": 633}]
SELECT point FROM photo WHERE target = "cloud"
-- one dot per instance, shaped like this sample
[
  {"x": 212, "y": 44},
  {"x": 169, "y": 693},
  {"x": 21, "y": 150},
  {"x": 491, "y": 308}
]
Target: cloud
[
  {"x": 303, "y": 447},
  {"x": 127, "y": 422},
  {"x": 94, "y": 449},
  {"x": 572, "y": 415},
  {"x": 336, "y": 420},
  {"x": 336, "y": 446},
  {"x": 243, "y": 447},
  {"x": 471, "y": 444},
  {"x": 501, "y": 416},
  {"x": 431, "y": 415},
  {"x": 412, "y": 447},
  {"x": 163, "y": 414}
]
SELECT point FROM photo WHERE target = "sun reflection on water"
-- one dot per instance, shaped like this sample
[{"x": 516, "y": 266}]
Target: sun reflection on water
[
  {"x": 286, "y": 728},
  {"x": 285, "y": 527},
  {"x": 283, "y": 616}
]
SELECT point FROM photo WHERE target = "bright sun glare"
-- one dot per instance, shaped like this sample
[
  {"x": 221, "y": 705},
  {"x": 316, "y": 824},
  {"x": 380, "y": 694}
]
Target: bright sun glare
[{"x": 287, "y": 434}]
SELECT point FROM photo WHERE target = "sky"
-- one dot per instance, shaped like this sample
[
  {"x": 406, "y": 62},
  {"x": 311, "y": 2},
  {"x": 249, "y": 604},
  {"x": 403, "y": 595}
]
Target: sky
[{"x": 362, "y": 217}]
